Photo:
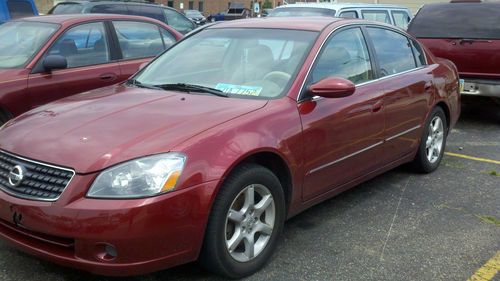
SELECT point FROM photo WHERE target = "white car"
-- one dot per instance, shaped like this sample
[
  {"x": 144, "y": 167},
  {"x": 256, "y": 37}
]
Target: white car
[{"x": 392, "y": 14}]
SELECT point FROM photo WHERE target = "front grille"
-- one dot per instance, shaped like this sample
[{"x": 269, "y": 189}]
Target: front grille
[{"x": 39, "y": 181}]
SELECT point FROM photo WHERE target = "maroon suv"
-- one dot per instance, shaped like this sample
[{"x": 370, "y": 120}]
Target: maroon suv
[
  {"x": 467, "y": 33},
  {"x": 43, "y": 59}
]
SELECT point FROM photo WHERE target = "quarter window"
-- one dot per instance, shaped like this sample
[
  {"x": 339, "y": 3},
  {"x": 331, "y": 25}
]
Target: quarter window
[
  {"x": 401, "y": 19},
  {"x": 346, "y": 56},
  {"x": 139, "y": 39},
  {"x": 419, "y": 53},
  {"x": 381, "y": 16},
  {"x": 178, "y": 21},
  {"x": 393, "y": 50},
  {"x": 83, "y": 45}
]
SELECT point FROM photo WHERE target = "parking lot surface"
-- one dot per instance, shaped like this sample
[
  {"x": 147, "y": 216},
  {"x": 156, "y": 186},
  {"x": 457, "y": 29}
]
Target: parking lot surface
[{"x": 398, "y": 226}]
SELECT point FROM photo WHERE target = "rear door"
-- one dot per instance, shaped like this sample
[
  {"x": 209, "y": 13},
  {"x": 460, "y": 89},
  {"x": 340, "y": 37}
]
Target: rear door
[
  {"x": 408, "y": 84},
  {"x": 466, "y": 33},
  {"x": 90, "y": 65},
  {"x": 139, "y": 42}
]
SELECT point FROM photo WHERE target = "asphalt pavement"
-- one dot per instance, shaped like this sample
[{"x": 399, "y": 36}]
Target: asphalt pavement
[{"x": 399, "y": 226}]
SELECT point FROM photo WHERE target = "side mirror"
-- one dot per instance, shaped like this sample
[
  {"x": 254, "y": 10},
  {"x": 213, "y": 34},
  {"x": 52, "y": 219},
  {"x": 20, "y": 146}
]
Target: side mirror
[
  {"x": 54, "y": 62},
  {"x": 332, "y": 87}
]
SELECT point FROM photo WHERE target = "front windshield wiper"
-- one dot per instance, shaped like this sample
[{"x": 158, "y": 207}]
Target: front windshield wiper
[
  {"x": 134, "y": 82},
  {"x": 192, "y": 88}
]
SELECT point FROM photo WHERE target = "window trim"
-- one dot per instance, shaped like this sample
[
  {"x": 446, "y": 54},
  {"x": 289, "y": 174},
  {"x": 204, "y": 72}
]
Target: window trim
[
  {"x": 301, "y": 96},
  {"x": 38, "y": 68}
]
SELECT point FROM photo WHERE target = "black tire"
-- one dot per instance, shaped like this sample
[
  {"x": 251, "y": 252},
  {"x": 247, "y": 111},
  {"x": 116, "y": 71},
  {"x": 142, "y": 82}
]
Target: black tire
[
  {"x": 214, "y": 255},
  {"x": 421, "y": 161}
]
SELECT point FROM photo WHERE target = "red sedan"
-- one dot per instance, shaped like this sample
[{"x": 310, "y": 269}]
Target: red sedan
[
  {"x": 43, "y": 59},
  {"x": 209, "y": 149}
]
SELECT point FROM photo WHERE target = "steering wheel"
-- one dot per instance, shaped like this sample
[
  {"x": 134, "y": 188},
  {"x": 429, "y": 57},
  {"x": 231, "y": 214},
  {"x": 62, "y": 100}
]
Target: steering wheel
[{"x": 278, "y": 77}]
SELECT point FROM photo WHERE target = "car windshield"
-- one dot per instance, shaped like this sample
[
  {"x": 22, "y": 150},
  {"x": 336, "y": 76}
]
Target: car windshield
[
  {"x": 19, "y": 41},
  {"x": 193, "y": 14},
  {"x": 246, "y": 62},
  {"x": 302, "y": 12},
  {"x": 457, "y": 20},
  {"x": 67, "y": 8}
]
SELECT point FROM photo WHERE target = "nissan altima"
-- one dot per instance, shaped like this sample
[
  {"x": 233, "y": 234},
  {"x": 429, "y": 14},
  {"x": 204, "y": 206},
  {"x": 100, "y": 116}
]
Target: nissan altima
[{"x": 205, "y": 152}]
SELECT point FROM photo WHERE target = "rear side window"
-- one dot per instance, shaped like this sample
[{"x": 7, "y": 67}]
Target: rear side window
[
  {"x": 19, "y": 9},
  {"x": 178, "y": 21},
  {"x": 349, "y": 14},
  {"x": 110, "y": 9},
  {"x": 67, "y": 8},
  {"x": 146, "y": 11},
  {"x": 139, "y": 39},
  {"x": 394, "y": 51},
  {"x": 457, "y": 20},
  {"x": 401, "y": 19},
  {"x": 381, "y": 16}
]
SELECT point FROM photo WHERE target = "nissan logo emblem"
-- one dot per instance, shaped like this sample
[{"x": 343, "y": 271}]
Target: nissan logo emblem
[{"x": 16, "y": 175}]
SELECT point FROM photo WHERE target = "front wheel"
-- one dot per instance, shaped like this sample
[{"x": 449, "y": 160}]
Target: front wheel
[
  {"x": 432, "y": 143},
  {"x": 245, "y": 223}
]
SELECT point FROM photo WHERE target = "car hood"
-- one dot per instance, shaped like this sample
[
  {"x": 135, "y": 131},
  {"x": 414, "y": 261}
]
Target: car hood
[{"x": 94, "y": 130}]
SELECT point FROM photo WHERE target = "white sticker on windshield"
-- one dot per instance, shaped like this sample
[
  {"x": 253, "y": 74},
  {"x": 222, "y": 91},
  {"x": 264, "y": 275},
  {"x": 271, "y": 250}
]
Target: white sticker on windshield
[{"x": 239, "y": 89}]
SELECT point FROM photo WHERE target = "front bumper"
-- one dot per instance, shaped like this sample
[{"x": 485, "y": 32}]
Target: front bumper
[
  {"x": 148, "y": 234},
  {"x": 481, "y": 87}
]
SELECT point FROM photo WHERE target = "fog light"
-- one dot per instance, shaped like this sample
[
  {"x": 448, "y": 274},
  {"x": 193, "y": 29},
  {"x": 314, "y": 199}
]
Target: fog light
[{"x": 106, "y": 252}]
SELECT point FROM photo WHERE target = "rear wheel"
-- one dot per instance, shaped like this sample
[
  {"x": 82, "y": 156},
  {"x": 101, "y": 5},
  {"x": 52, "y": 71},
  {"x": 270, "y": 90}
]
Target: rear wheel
[
  {"x": 432, "y": 143},
  {"x": 245, "y": 223}
]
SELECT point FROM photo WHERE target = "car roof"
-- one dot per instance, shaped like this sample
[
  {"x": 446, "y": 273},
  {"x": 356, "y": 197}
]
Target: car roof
[
  {"x": 104, "y": 2},
  {"x": 69, "y": 19},
  {"x": 342, "y": 6},
  {"x": 296, "y": 23}
]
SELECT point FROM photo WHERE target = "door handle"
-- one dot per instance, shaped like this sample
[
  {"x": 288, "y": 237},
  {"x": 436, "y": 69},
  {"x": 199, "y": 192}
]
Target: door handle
[
  {"x": 108, "y": 76},
  {"x": 377, "y": 106}
]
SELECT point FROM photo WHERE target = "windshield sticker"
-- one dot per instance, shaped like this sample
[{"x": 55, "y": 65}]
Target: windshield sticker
[{"x": 239, "y": 89}]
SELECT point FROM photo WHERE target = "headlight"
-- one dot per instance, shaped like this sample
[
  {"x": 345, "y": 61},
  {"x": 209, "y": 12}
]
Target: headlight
[{"x": 141, "y": 177}]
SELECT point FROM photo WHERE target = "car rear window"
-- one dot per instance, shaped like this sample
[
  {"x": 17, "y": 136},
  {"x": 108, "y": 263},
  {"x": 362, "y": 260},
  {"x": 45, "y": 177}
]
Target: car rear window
[
  {"x": 457, "y": 20},
  {"x": 67, "y": 8}
]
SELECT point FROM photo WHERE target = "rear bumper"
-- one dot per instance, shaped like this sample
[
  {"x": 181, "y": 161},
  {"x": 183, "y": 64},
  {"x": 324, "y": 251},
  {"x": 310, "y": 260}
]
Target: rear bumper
[
  {"x": 148, "y": 234},
  {"x": 481, "y": 87}
]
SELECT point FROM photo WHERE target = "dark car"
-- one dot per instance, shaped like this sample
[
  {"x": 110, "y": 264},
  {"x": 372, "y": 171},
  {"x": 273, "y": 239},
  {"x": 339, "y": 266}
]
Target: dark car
[
  {"x": 467, "y": 33},
  {"x": 209, "y": 149},
  {"x": 162, "y": 13},
  {"x": 15, "y": 9},
  {"x": 43, "y": 59},
  {"x": 195, "y": 16}
]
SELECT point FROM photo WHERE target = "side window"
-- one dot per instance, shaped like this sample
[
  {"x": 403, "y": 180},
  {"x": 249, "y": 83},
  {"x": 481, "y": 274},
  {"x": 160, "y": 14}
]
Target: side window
[
  {"x": 418, "y": 53},
  {"x": 109, "y": 9},
  {"x": 349, "y": 14},
  {"x": 178, "y": 21},
  {"x": 345, "y": 55},
  {"x": 381, "y": 16},
  {"x": 138, "y": 39},
  {"x": 393, "y": 50},
  {"x": 19, "y": 9},
  {"x": 83, "y": 45},
  {"x": 401, "y": 19},
  {"x": 168, "y": 38},
  {"x": 146, "y": 11}
]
